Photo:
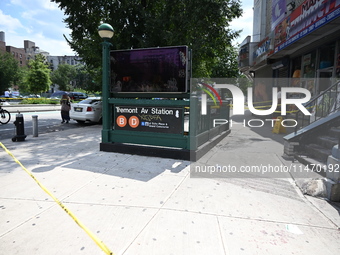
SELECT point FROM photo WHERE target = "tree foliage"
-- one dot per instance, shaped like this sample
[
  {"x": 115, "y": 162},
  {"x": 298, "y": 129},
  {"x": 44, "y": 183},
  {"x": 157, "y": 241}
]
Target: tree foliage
[
  {"x": 203, "y": 25},
  {"x": 22, "y": 83},
  {"x": 86, "y": 79},
  {"x": 244, "y": 83},
  {"x": 38, "y": 76},
  {"x": 226, "y": 64},
  {"x": 9, "y": 71},
  {"x": 63, "y": 76}
]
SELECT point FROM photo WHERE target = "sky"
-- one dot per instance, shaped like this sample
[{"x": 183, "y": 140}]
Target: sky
[
  {"x": 41, "y": 21},
  {"x": 244, "y": 23}
]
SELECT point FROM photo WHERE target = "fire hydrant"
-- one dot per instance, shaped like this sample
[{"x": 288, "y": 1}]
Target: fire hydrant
[{"x": 20, "y": 128}]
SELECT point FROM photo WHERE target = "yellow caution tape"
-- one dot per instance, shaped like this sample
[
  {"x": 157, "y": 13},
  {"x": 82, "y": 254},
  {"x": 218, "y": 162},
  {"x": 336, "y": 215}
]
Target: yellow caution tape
[
  {"x": 262, "y": 102},
  {"x": 80, "y": 224}
]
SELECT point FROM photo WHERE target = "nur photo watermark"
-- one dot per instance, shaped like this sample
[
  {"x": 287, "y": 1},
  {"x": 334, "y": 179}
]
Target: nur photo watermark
[{"x": 258, "y": 106}]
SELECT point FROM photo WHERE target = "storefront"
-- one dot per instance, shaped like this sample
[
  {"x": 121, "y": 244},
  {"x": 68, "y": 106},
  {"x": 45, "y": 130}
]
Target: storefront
[
  {"x": 262, "y": 70},
  {"x": 310, "y": 38},
  {"x": 245, "y": 57}
]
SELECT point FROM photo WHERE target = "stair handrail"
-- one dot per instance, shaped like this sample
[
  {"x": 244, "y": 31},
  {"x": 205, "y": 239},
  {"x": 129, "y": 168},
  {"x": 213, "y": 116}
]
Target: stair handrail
[{"x": 314, "y": 103}]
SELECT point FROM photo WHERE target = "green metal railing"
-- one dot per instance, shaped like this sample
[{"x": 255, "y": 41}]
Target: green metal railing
[
  {"x": 321, "y": 106},
  {"x": 202, "y": 128}
]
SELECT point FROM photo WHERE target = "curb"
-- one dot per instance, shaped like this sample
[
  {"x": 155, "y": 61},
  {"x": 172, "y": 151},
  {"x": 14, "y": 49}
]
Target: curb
[{"x": 31, "y": 108}]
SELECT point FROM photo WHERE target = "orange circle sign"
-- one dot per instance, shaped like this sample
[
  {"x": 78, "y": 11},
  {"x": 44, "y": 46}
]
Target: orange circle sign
[
  {"x": 133, "y": 121},
  {"x": 121, "y": 121}
]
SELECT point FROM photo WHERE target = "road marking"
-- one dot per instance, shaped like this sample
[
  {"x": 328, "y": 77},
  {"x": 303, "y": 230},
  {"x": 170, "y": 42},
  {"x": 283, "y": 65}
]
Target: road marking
[
  {"x": 80, "y": 224},
  {"x": 35, "y": 113}
]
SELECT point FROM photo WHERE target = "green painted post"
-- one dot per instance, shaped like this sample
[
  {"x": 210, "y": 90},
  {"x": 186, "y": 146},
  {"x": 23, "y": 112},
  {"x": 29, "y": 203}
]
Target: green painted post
[
  {"x": 193, "y": 119},
  {"x": 106, "y": 115},
  {"x": 106, "y": 32}
]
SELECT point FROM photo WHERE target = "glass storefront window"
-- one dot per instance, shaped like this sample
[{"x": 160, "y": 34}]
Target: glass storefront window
[
  {"x": 308, "y": 62},
  {"x": 326, "y": 67},
  {"x": 327, "y": 56},
  {"x": 309, "y": 71},
  {"x": 296, "y": 72}
]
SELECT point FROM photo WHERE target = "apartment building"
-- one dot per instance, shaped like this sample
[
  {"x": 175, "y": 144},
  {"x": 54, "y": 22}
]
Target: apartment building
[
  {"x": 55, "y": 61},
  {"x": 18, "y": 54},
  {"x": 30, "y": 50}
]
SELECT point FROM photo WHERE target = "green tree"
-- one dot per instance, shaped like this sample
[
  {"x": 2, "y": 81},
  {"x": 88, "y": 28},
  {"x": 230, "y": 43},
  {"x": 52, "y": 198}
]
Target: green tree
[
  {"x": 203, "y": 25},
  {"x": 244, "y": 83},
  {"x": 86, "y": 79},
  {"x": 9, "y": 71},
  {"x": 38, "y": 76},
  {"x": 23, "y": 83},
  {"x": 226, "y": 64},
  {"x": 63, "y": 76}
]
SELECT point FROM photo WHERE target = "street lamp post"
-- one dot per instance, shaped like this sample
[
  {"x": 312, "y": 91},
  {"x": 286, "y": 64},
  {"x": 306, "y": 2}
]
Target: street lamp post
[{"x": 106, "y": 32}]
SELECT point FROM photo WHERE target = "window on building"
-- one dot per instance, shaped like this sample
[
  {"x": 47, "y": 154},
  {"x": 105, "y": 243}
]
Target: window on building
[
  {"x": 309, "y": 71},
  {"x": 309, "y": 64},
  {"x": 327, "y": 56},
  {"x": 296, "y": 72},
  {"x": 325, "y": 67}
]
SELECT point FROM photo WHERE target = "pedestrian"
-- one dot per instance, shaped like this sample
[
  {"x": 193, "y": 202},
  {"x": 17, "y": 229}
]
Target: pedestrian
[
  {"x": 7, "y": 94},
  {"x": 65, "y": 108}
]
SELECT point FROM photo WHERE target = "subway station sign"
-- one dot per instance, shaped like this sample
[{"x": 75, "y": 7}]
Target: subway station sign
[{"x": 149, "y": 119}]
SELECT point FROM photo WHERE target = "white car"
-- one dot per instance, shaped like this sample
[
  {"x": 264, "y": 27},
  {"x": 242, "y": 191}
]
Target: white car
[{"x": 90, "y": 109}]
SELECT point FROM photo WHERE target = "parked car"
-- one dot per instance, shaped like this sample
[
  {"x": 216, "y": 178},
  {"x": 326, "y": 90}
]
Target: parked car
[
  {"x": 58, "y": 94},
  {"x": 77, "y": 95},
  {"x": 89, "y": 109}
]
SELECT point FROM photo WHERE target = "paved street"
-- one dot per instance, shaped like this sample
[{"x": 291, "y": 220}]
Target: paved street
[
  {"x": 148, "y": 205},
  {"x": 48, "y": 121}
]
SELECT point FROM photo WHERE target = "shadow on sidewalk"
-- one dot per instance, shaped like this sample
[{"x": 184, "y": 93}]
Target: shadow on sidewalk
[
  {"x": 121, "y": 165},
  {"x": 79, "y": 150}
]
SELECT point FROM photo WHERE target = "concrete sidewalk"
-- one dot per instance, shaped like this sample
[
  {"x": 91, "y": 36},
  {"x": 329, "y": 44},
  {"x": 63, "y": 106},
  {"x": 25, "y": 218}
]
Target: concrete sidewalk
[{"x": 145, "y": 205}]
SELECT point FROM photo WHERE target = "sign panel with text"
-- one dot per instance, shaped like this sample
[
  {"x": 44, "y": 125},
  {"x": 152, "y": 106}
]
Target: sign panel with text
[
  {"x": 149, "y": 119},
  {"x": 306, "y": 18}
]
